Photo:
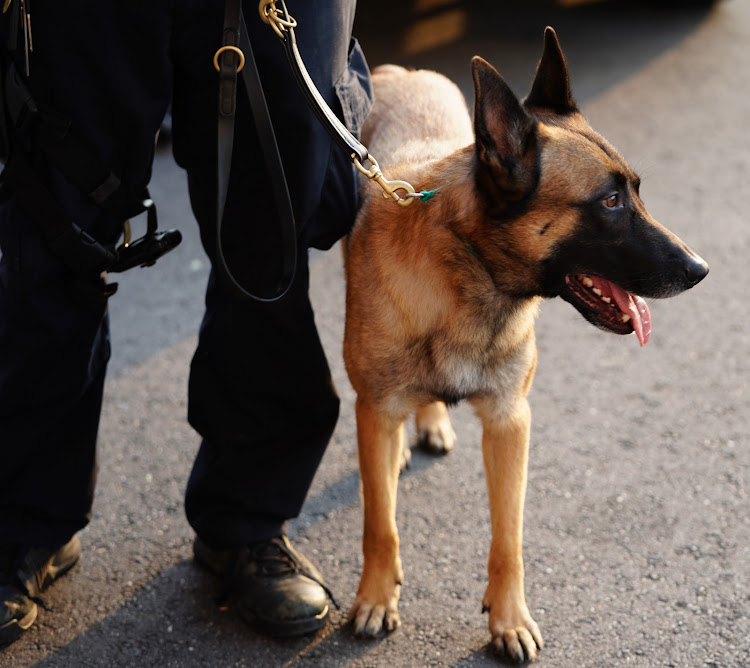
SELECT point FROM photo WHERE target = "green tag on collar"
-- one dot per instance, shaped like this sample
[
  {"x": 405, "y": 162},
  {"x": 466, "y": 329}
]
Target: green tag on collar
[{"x": 427, "y": 195}]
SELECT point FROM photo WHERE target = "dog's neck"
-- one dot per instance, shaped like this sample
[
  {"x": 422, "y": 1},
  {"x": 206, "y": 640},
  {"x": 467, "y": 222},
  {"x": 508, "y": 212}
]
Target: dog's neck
[{"x": 453, "y": 223}]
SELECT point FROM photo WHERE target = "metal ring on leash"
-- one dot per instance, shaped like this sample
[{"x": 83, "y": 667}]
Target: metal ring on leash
[
  {"x": 229, "y": 48},
  {"x": 271, "y": 15}
]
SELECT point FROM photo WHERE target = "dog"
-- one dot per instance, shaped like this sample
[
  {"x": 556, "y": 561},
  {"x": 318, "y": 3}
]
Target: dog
[{"x": 526, "y": 202}]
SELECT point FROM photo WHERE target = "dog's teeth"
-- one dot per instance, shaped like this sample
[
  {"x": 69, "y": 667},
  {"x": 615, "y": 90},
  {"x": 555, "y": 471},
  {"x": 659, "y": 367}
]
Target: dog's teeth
[
  {"x": 606, "y": 300},
  {"x": 588, "y": 282},
  {"x": 625, "y": 317},
  {"x": 597, "y": 292}
]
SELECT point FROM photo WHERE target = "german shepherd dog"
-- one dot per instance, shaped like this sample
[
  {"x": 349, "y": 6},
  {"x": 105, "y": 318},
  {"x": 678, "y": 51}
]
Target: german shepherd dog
[{"x": 528, "y": 203}]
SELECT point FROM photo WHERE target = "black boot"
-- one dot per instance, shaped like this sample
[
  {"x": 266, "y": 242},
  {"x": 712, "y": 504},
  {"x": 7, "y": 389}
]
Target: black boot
[
  {"x": 25, "y": 572},
  {"x": 277, "y": 590}
]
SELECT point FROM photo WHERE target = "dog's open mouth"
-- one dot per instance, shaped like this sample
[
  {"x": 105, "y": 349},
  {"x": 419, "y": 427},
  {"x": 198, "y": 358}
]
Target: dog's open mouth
[{"x": 609, "y": 306}]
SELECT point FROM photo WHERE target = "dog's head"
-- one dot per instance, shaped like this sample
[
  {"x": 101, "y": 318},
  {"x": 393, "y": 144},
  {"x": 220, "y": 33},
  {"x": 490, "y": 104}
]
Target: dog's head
[{"x": 563, "y": 206}]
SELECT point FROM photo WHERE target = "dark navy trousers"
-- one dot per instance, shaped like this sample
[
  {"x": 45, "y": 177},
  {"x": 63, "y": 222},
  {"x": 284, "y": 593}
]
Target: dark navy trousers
[{"x": 260, "y": 392}]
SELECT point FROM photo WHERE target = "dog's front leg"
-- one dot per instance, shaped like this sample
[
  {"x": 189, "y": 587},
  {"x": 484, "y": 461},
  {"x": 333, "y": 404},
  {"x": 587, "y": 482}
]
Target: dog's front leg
[
  {"x": 505, "y": 447},
  {"x": 380, "y": 442}
]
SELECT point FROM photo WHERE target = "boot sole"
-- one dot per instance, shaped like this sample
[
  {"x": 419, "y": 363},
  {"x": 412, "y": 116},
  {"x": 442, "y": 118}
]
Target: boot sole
[
  {"x": 276, "y": 629},
  {"x": 12, "y": 630},
  {"x": 64, "y": 560}
]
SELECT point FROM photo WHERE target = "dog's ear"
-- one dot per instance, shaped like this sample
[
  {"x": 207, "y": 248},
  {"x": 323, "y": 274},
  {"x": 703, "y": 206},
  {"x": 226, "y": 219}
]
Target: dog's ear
[
  {"x": 551, "y": 88},
  {"x": 506, "y": 142}
]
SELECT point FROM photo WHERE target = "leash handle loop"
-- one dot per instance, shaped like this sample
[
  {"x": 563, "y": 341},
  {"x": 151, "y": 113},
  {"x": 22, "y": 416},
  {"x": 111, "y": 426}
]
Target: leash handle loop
[{"x": 237, "y": 42}]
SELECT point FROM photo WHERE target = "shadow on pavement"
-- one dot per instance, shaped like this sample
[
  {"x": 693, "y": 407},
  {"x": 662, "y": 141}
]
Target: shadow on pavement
[{"x": 180, "y": 630}]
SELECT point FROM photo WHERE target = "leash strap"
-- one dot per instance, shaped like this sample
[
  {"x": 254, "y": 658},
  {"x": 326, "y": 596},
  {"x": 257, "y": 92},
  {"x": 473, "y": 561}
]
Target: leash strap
[
  {"x": 283, "y": 25},
  {"x": 236, "y": 54},
  {"x": 338, "y": 131}
]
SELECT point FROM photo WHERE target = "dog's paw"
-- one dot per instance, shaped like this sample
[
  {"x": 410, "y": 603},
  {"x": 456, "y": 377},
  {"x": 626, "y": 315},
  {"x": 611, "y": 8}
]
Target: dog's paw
[
  {"x": 369, "y": 617},
  {"x": 376, "y": 607},
  {"x": 434, "y": 430},
  {"x": 515, "y": 636},
  {"x": 519, "y": 644}
]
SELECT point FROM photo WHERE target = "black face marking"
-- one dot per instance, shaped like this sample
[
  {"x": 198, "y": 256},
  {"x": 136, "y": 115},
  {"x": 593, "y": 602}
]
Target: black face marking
[{"x": 621, "y": 246}]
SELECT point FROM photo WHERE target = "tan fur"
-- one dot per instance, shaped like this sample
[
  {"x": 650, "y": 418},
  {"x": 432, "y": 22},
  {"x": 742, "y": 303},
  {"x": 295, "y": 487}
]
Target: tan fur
[
  {"x": 442, "y": 296},
  {"x": 424, "y": 319}
]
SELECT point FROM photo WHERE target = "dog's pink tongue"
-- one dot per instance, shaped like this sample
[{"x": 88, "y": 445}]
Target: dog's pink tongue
[{"x": 637, "y": 309}]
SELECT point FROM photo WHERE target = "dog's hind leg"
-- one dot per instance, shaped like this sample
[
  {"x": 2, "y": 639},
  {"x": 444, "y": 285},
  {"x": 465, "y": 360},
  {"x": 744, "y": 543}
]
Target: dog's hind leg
[
  {"x": 505, "y": 445},
  {"x": 380, "y": 444},
  {"x": 434, "y": 430}
]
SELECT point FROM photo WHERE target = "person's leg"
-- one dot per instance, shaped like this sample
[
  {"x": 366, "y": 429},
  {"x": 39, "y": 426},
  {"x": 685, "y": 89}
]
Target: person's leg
[
  {"x": 261, "y": 396},
  {"x": 54, "y": 337},
  {"x": 261, "y": 393},
  {"x": 54, "y": 347}
]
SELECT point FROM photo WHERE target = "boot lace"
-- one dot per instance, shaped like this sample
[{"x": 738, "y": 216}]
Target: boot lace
[{"x": 273, "y": 558}]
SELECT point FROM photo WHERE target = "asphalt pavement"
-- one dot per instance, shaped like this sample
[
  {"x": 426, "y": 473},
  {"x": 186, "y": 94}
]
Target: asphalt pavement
[{"x": 637, "y": 534}]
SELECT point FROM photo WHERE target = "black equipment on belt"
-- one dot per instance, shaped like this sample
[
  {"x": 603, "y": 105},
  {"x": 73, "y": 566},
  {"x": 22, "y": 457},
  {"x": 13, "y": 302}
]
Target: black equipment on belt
[
  {"x": 78, "y": 249},
  {"x": 27, "y": 126},
  {"x": 144, "y": 252}
]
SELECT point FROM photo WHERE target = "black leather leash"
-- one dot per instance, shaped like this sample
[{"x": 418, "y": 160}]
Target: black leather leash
[
  {"x": 338, "y": 131},
  {"x": 236, "y": 54}
]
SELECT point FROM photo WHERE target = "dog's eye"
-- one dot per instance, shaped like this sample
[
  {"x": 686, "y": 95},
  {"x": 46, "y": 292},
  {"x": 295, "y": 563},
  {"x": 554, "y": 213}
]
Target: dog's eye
[{"x": 612, "y": 201}]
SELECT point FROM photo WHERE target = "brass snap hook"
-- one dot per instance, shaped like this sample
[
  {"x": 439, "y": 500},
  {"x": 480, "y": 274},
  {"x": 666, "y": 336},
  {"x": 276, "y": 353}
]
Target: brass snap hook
[
  {"x": 229, "y": 48},
  {"x": 389, "y": 187}
]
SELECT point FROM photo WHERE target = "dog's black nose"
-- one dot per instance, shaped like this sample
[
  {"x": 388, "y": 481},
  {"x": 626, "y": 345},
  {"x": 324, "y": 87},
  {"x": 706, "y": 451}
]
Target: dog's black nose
[{"x": 695, "y": 270}]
